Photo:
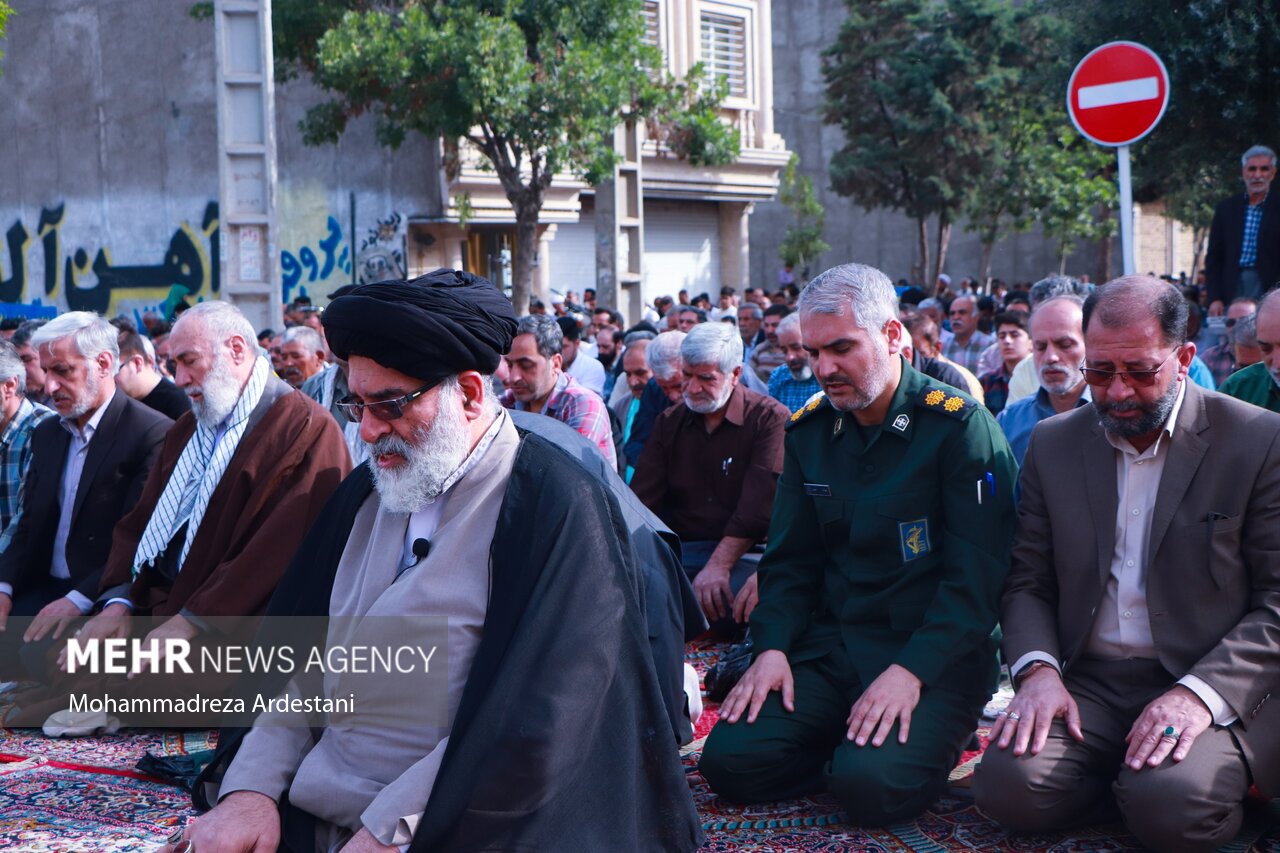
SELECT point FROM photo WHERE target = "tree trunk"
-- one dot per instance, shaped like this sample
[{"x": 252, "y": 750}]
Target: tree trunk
[
  {"x": 922, "y": 247},
  {"x": 1103, "y": 271},
  {"x": 944, "y": 241},
  {"x": 984, "y": 268},
  {"x": 1198, "y": 236},
  {"x": 1063, "y": 251},
  {"x": 526, "y": 251}
]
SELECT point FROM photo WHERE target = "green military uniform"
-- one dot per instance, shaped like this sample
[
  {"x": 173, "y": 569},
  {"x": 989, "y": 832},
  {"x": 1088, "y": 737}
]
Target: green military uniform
[
  {"x": 1253, "y": 384},
  {"x": 888, "y": 544}
]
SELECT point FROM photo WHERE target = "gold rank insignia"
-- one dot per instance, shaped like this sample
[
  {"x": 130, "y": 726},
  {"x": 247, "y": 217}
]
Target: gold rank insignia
[
  {"x": 815, "y": 403},
  {"x": 947, "y": 402}
]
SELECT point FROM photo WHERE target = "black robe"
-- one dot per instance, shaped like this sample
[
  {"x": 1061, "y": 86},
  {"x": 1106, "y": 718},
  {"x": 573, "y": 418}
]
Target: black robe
[{"x": 546, "y": 752}]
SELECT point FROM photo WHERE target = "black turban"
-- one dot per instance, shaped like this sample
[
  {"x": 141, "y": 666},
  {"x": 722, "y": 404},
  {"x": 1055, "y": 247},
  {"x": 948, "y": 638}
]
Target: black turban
[{"x": 437, "y": 325}]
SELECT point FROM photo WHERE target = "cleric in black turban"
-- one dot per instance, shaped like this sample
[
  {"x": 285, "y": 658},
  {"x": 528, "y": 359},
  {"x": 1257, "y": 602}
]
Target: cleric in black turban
[{"x": 437, "y": 325}]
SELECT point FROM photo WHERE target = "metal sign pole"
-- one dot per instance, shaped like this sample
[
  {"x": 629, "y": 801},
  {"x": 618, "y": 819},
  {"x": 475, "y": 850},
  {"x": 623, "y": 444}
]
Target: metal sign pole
[{"x": 1126, "y": 210}]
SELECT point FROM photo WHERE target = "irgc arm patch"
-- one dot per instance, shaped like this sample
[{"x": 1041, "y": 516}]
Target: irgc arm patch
[{"x": 947, "y": 402}]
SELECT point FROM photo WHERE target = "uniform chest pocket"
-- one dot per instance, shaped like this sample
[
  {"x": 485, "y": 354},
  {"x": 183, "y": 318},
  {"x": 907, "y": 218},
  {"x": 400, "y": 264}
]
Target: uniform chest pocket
[
  {"x": 834, "y": 518},
  {"x": 903, "y": 525}
]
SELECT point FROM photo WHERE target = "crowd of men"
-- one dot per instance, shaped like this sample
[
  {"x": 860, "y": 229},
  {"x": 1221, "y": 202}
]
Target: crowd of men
[{"x": 889, "y": 491}]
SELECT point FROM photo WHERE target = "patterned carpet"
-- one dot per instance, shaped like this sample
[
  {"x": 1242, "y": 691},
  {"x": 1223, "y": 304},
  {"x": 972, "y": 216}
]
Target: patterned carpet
[{"x": 85, "y": 795}]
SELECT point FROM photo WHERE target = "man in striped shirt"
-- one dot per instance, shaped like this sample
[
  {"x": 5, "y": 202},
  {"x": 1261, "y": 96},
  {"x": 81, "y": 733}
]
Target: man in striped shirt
[
  {"x": 539, "y": 383},
  {"x": 18, "y": 417}
]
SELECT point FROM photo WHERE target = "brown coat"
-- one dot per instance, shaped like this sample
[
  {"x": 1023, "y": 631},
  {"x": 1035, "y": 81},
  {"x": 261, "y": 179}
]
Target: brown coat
[
  {"x": 1213, "y": 567},
  {"x": 287, "y": 465}
]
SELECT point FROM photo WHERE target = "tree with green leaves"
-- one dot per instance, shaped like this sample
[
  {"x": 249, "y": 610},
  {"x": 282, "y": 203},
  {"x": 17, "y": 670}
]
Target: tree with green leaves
[
  {"x": 803, "y": 241},
  {"x": 1042, "y": 170},
  {"x": 1223, "y": 64},
  {"x": 5, "y": 11},
  {"x": 1072, "y": 181},
  {"x": 917, "y": 87},
  {"x": 536, "y": 86}
]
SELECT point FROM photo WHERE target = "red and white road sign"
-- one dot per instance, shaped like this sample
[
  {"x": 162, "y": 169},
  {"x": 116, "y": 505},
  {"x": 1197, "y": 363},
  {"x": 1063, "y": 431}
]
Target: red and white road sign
[{"x": 1118, "y": 93}]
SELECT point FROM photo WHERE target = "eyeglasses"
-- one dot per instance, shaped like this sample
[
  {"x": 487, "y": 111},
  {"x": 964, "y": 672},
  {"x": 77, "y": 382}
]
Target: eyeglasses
[
  {"x": 1132, "y": 378},
  {"x": 383, "y": 410}
]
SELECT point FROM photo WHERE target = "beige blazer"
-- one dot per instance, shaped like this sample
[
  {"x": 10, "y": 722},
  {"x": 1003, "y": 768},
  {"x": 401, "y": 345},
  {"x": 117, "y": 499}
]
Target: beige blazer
[{"x": 1213, "y": 567}]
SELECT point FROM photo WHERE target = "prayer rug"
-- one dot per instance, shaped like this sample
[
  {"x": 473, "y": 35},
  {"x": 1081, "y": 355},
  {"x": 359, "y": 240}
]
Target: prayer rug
[{"x": 55, "y": 806}]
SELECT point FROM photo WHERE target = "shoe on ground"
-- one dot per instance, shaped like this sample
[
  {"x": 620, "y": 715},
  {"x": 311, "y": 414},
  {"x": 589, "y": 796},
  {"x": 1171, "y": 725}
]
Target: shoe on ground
[{"x": 80, "y": 724}]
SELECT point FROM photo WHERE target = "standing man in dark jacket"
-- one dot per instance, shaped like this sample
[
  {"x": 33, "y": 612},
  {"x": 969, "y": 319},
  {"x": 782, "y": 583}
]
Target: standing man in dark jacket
[{"x": 1244, "y": 240}]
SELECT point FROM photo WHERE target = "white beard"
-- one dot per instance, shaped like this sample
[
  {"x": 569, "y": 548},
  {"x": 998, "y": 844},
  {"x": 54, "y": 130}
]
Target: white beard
[
  {"x": 220, "y": 393},
  {"x": 437, "y": 451},
  {"x": 710, "y": 406}
]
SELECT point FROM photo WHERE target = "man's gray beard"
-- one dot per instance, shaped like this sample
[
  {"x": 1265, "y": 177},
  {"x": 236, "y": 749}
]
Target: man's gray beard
[
  {"x": 435, "y": 453},
  {"x": 712, "y": 406},
  {"x": 1074, "y": 378},
  {"x": 85, "y": 402},
  {"x": 875, "y": 380},
  {"x": 1148, "y": 423},
  {"x": 1275, "y": 376},
  {"x": 219, "y": 393},
  {"x": 804, "y": 374}
]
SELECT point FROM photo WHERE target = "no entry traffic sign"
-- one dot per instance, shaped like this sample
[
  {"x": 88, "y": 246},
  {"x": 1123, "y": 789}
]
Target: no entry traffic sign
[{"x": 1118, "y": 93}]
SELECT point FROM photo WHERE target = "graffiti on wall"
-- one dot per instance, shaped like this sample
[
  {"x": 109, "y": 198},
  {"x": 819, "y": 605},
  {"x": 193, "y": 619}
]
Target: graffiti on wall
[
  {"x": 381, "y": 254},
  {"x": 188, "y": 269},
  {"x": 310, "y": 266},
  {"x": 326, "y": 260}
]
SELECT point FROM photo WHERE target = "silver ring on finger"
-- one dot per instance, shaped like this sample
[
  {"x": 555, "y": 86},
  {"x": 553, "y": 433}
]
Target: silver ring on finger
[
  {"x": 1015, "y": 716},
  {"x": 175, "y": 837},
  {"x": 188, "y": 846},
  {"x": 1171, "y": 734}
]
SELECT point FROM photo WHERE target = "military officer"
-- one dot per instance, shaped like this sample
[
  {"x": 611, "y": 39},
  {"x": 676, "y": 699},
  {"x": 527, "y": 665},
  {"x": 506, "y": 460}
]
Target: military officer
[{"x": 888, "y": 547}]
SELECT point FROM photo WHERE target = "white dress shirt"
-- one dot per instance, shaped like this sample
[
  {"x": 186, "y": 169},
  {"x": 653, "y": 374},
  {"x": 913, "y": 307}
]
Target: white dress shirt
[
  {"x": 77, "y": 452},
  {"x": 1122, "y": 626}
]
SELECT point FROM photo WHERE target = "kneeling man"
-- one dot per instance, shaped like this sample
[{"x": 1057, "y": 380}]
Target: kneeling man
[
  {"x": 1142, "y": 611},
  {"x": 887, "y": 551},
  {"x": 554, "y": 727}
]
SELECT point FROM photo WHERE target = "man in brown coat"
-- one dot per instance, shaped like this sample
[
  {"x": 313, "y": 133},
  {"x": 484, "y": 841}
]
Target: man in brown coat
[
  {"x": 1142, "y": 611},
  {"x": 237, "y": 485}
]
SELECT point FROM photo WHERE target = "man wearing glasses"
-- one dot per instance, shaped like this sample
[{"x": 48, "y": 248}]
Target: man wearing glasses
[
  {"x": 1141, "y": 615},
  {"x": 548, "y": 723}
]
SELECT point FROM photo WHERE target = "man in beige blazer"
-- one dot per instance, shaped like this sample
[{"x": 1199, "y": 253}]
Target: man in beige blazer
[{"x": 1142, "y": 612}]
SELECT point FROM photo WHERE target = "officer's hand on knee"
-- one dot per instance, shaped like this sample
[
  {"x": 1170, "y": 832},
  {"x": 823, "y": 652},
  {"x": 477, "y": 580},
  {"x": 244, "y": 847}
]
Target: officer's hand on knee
[
  {"x": 890, "y": 698},
  {"x": 1041, "y": 698},
  {"x": 770, "y": 672}
]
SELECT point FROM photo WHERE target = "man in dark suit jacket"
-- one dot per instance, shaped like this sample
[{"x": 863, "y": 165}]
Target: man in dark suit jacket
[
  {"x": 1244, "y": 241},
  {"x": 1142, "y": 611},
  {"x": 87, "y": 470}
]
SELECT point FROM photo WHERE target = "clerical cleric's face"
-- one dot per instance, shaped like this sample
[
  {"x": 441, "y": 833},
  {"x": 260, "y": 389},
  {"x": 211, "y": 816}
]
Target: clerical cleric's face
[
  {"x": 413, "y": 455},
  {"x": 533, "y": 375}
]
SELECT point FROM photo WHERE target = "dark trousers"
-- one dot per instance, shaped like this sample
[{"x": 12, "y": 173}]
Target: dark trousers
[
  {"x": 783, "y": 755},
  {"x": 1192, "y": 805},
  {"x": 26, "y": 661}
]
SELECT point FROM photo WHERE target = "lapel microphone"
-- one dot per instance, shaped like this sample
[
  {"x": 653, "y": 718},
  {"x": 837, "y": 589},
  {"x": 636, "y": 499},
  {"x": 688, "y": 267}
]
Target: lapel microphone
[{"x": 421, "y": 548}]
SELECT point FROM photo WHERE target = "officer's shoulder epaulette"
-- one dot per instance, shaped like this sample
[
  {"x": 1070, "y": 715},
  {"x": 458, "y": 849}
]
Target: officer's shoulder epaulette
[
  {"x": 947, "y": 401},
  {"x": 816, "y": 403}
]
